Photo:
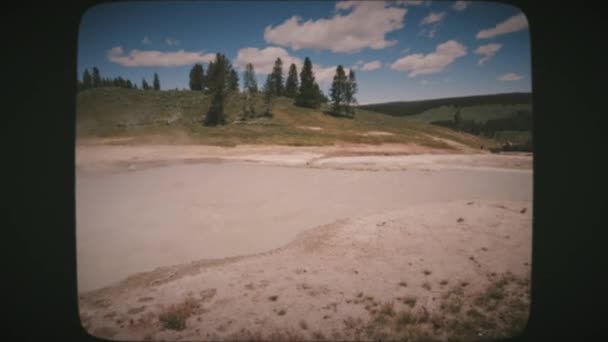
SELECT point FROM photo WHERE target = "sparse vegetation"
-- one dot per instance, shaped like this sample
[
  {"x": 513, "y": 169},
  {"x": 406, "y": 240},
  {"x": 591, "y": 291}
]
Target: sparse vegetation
[
  {"x": 273, "y": 298},
  {"x": 174, "y": 317},
  {"x": 411, "y": 301}
]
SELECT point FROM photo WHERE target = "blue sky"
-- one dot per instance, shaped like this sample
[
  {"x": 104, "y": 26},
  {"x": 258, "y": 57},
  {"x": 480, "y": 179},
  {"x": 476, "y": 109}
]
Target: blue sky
[{"x": 400, "y": 50}]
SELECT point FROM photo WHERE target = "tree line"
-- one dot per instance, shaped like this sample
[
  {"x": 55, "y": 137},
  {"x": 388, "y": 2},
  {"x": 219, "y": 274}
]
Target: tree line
[
  {"x": 220, "y": 79},
  {"x": 94, "y": 80}
]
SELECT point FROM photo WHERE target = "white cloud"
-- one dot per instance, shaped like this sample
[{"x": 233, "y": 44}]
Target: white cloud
[
  {"x": 263, "y": 61},
  {"x": 461, "y": 5},
  {"x": 515, "y": 23},
  {"x": 138, "y": 58},
  {"x": 146, "y": 41},
  {"x": 432, "y": 18},
  {"x": 487, "y": 51},
  {"x": 172, "y": 42},
  {"x": 364, "y": 26},
  {"x": 420, "y": 64},
  {"x": 369, "y": 66},
  {"x": 510, "y": 77},
  {"x": 373, "y": 65}
]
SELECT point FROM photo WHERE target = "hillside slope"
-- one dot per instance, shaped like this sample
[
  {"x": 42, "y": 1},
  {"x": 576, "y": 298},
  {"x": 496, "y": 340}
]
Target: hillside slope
[
  {"x": 410, "y": 108},
  {"x": 176, "y": 117}
]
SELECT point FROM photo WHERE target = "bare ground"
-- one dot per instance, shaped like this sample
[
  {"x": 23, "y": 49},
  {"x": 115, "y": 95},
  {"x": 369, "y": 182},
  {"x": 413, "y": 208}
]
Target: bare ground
[
  {"x": 435, "y": 270},
  {"x": 331, "y": 276}
]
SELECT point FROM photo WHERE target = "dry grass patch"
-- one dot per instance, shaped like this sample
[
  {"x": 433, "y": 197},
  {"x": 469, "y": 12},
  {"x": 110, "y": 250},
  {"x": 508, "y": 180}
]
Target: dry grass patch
[{"x": 175, "y": 316}]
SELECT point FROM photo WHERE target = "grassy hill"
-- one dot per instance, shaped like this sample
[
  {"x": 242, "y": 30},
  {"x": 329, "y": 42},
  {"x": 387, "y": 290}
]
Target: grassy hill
[
  {"x": 478, "y": 113},
  {"x": 412, "y": 108},
  {"x": 176, "y": 116}
]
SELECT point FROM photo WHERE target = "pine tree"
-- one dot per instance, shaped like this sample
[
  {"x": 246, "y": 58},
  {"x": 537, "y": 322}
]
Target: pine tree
[
  {"x": 96, "y": 81},
  {"x": 233, "y": 81},
  {"x": 338, "y": 91},
  {"x": 197, "y": 75},
  {"x": 270, "y": 89},
  {"x": 87, "y": 82},
  {"x": 156, "y": 82},
  {"x": 291, "y": 84},
  {"x": 308, "y": 95},
  {"x": 277, "y": 77},
  {"x": 218, "y": 82},
  {"x": 144, "y": 84},
  {"x": 129, "y": 84},
  {"x": 250, "y": 84},
  {"x": 351, "y": 90},
  {"x": 207, "y": 76},
  {"x": 250, "y": 87}
]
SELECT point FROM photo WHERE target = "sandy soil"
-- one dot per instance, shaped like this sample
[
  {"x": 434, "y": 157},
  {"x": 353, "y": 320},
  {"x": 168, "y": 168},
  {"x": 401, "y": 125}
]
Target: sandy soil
[
  {"x": 221, "y": 229},
  {"x": 101, "y": 155},
  {"x": 317, "y": 277}
]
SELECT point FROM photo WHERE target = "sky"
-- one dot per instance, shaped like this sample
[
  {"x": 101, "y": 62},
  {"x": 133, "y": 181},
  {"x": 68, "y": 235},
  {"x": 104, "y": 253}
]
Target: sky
[{"x": 399, "y": 50}]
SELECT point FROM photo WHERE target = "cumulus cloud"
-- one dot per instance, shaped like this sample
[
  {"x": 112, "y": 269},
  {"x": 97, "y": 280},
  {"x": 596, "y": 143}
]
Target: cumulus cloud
[
  {"x": 487, "y": 51},
  {"x": 420, "y": 64},
  {"x": 433, "y": 18},
  {"x": 263, "y": 61},
  {"x": 515, "y": 23},
  {"x": 146, "y": 41},
  {"x": 510, "y": 77},
  {"x": 369, "y": 66},
  {"x": 461, "y": 5},
  {"x": 373, "y": 65},
  {"x": 364, "y": 25},
  {"x": 138, "y": 58}
]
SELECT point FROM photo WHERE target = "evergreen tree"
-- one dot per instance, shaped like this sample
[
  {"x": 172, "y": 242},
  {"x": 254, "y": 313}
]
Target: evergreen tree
[
  {"x": 233, "y": 81},
  {"x": 206, "y": 78},
  {"x": 270, "y": 89},
  {"x": 156, "y": 82},
  {"x": 218, "y": 83},
  {"x": 129, "y": 84},
  {"x": 96, "y": 80},
  {"x": 308, "y": 95},
  {"x": 250, "y": 84},
  {"x": 277, "y": 77},
  {"x": 351, "y": 90},
  {"x": 87, "y": 82},
  {"x": 144, "y": 84},
  {"x": 197, "y": 75},
  {"x": 291, "y": 84},
  {"x": 338, "y": 91}
]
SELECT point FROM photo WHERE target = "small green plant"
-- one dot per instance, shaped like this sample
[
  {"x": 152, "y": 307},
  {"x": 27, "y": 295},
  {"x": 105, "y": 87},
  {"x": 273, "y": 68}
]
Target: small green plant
[{"x": 411, "y": 301}]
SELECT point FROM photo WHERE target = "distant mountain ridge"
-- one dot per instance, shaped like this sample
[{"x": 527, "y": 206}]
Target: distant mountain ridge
[{"x": 407, "y": 108}]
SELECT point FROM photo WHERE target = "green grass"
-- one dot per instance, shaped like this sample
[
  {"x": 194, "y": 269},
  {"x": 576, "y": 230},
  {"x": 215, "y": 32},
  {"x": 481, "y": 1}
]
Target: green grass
[
  {"x": 176, "y": 117},
  {"x": 481, "y": 113}
]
